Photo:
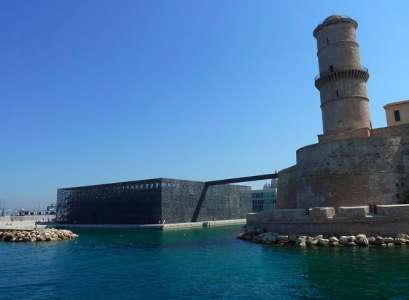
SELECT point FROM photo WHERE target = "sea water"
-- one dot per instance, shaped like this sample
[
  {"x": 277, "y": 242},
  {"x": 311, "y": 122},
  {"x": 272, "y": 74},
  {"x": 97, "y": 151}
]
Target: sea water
[{"x": 196, "y": 264}]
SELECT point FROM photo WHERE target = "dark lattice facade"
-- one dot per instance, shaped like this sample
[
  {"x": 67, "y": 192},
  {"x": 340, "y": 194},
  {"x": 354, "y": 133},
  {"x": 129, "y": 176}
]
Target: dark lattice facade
[{"x": 150, "y": 201}]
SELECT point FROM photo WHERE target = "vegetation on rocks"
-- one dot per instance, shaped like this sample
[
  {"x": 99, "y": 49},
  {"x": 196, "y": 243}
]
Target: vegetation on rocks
[{"x": 40, "y": 235}]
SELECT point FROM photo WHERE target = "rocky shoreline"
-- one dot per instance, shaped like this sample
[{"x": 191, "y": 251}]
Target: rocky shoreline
[
  {"x": 360, "y": 240},
  {"x": 37, "y": 235}
]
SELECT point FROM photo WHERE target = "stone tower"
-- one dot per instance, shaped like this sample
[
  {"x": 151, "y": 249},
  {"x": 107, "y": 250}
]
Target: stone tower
[{"x": 341, "y": 80}]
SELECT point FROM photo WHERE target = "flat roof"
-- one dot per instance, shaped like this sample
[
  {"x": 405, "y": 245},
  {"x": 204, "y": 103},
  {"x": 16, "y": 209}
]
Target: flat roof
[
  {"x": 396, "y": 103},
  {"x": 162, "y": 179},
  {"x": 150, "y": 180}
]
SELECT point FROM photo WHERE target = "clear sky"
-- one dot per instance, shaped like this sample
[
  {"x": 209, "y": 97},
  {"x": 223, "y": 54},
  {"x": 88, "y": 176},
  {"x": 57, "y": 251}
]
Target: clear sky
[{"x": 102, "y": 91}]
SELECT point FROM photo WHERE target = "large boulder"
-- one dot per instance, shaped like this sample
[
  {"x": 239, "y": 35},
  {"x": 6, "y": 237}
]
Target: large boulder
[
  {"x": 362, "y": 240},
  {"x": 293, "y": 238},
  {"x": 351, "y": 238},
  {"x": 8, "y": 237},
  {"x": 372, "y": 240},
  {"x": 399, "y": 241},
  {"x": 333, "y": 241},
  {"x": 388, "y": 240},
  {"x": 343, "y": 240},
  {"x": 266, "y": 238},
  {"x": 302, "y": 241},
  {"x": 402, "y": 236},
  {"x": 283, "y": 239},
  {"x": 323, "y": 242}
]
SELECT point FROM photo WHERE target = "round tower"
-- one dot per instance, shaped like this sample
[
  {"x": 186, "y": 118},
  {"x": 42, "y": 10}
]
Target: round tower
[{"x": 342, "y": 79}]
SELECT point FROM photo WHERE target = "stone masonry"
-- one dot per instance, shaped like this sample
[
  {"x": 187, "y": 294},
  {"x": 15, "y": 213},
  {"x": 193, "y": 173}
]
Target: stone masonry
[
  {"x": 355, "y": 179},
  {"x": 353, "y": 164}
]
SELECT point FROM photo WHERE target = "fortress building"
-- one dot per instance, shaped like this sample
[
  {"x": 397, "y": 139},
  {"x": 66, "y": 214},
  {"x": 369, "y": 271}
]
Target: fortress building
[
  {"x": 353, "y": 167},
  {"x": 353, "y": 164}
]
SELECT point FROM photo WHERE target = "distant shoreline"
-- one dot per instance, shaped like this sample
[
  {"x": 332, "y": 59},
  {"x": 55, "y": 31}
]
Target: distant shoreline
[{"x": 24, "y": 222}]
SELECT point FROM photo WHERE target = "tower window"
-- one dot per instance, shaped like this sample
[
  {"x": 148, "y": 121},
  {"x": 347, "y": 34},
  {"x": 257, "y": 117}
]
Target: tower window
[
  {"x": 327, "y": 41},
  {"x": 396, "y": 114},
  {"x": 337, "y": 93},
  {"x": 331, "y": 68}
]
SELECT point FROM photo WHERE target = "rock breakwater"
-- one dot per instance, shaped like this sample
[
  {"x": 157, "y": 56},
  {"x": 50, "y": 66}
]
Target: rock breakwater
[
  {"x": 41, "y": 235},
  {"x": 361, "y": 240}
]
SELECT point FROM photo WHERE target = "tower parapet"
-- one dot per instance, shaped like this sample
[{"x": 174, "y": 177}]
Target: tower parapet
[{"x": 342, "y": 79}]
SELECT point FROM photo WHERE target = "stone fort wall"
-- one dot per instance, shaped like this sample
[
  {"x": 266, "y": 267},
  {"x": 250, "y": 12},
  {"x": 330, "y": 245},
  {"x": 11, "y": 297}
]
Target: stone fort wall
[
  {"x": 349, "y": 172},
  {"x": 287, "y": 188}
]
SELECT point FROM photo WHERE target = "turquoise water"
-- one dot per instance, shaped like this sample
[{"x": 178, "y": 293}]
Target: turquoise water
[{"x": 196, "y": 264}]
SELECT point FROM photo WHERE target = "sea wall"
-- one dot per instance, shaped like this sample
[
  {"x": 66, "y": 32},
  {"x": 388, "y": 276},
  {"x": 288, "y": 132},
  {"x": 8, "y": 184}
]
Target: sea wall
[
  {"x": 347, "y": 220},
  {"x": 349, "y": 172}
]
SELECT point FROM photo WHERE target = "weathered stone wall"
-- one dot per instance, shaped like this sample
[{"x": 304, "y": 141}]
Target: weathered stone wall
[
  {"x": 356, "y": 133},
  {"x": 401, "y": 162},
  {"x": 352, "y": 212},
  {"x": 375, "y": 226},
  {"x": 337, "y": 45},
  {"x": 401, "y": 130},
  {"x": 287, "y": 188},
  {"x": 390, "y": 220},
  {"x": 350, "y": 172},
  {"x": 395, "y": 211},
  {"x": 352, "y": 112}
]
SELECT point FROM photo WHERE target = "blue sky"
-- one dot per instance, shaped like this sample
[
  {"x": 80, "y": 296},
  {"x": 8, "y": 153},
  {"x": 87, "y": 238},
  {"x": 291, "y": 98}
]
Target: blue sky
[{"x": 101, "y": 91}]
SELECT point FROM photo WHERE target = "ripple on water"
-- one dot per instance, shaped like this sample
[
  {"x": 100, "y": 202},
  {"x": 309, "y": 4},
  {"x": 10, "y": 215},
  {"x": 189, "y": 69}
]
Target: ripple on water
[{"x": 196, "y": 264}]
